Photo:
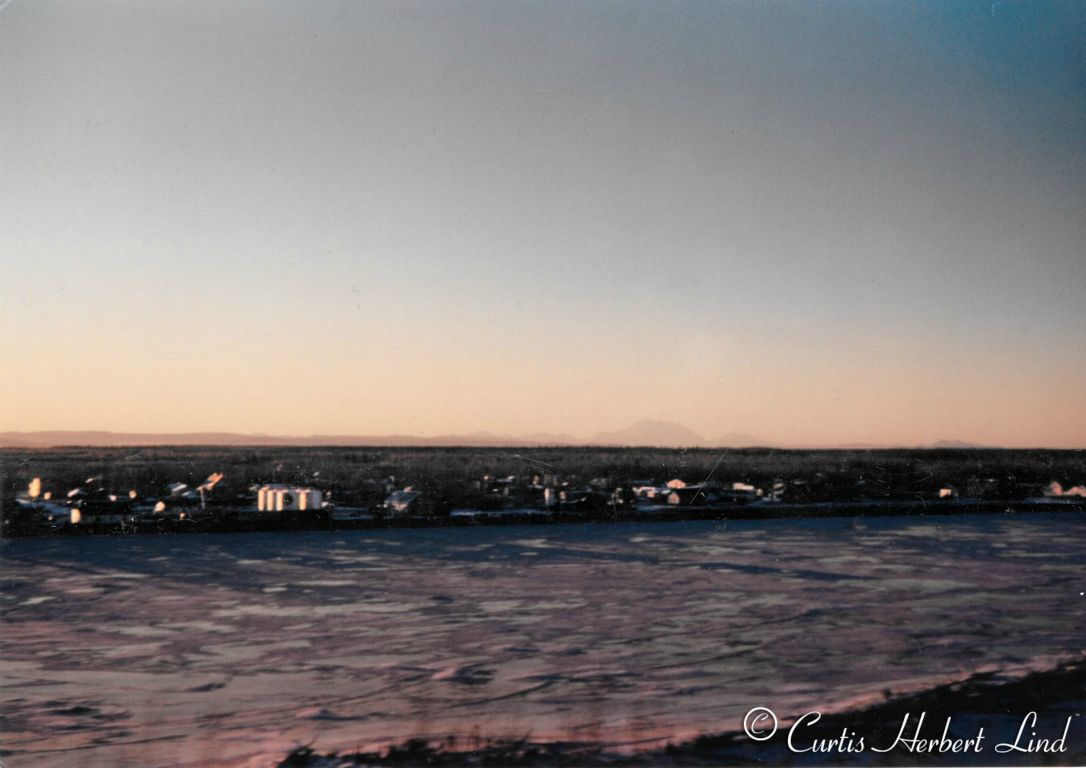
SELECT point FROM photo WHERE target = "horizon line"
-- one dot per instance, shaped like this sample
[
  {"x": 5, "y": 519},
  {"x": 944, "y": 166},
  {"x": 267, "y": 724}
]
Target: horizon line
[{"x": 10, "y": 439}]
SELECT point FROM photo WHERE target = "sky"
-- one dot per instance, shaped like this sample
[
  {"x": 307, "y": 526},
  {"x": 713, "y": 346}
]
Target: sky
[{"x": 815, "y": 222}]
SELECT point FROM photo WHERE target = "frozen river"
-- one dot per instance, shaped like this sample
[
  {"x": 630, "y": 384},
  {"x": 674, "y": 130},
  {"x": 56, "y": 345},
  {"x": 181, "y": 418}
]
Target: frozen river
[{"x": 232, "y": 649}]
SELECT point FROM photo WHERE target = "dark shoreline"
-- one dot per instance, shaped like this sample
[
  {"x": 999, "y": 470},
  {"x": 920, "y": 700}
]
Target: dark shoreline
[
  {"x": 984, "y": 700},
  {"x": 246, "y": 521}
]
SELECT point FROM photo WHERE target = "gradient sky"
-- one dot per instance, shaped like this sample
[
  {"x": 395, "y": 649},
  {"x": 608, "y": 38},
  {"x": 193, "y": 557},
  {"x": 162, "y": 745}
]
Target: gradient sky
[{"x": 817, "y": 222}]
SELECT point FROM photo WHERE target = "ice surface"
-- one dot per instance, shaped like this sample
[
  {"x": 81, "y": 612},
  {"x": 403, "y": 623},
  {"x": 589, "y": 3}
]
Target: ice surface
[{"x": 232, "y": 649}]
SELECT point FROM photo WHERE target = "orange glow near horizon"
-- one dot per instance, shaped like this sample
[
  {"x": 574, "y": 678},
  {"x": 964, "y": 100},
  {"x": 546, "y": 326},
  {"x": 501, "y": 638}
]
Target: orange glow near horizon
[{"x": 783, "y": 396}]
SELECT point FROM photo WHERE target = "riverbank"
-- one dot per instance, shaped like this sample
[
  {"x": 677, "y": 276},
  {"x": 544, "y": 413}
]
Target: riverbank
[
  {"x": 246, "y": 520},
  {"x": 987, "y": 703}
]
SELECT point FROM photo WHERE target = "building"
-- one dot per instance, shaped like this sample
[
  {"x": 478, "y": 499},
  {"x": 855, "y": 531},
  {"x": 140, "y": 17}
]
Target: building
[
  {"x": 406, "y": 503},
  {"x": 283, "y": 498},
  {"x": 647, "y": 491},
  {"x": 692, "y": 496}
]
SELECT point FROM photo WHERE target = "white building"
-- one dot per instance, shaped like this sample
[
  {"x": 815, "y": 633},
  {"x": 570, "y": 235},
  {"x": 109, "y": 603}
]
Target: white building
[{"x": 283, "y": 498}]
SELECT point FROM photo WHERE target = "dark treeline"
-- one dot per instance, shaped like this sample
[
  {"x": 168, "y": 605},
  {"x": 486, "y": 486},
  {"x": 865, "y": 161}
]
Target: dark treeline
[{"x": 444, "y": 470}]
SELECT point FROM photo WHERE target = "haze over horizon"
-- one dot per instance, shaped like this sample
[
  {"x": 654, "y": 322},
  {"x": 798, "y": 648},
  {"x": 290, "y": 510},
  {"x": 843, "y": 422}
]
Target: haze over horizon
[
  {"x": 643, "y": 434},
  {"x": 818, "y": 223}
]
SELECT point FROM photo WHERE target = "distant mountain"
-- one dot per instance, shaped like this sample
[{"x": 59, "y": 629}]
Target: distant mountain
[
  {"x": 664, "y": 434},
  {"x": 51, "y": 439},
  {"x": 667, "y": 434},
  {"x": 99, "y": 438},
  {"x": 646, "y": 433}
]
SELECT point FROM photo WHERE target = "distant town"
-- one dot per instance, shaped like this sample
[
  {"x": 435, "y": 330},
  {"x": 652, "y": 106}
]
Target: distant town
[{"x": 254, "y": 492}]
